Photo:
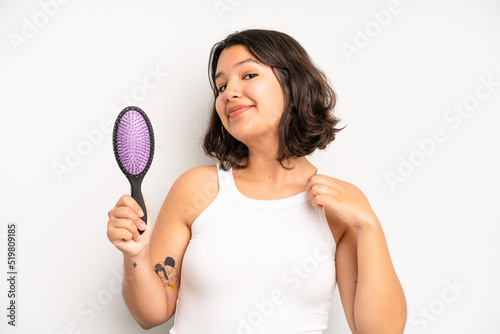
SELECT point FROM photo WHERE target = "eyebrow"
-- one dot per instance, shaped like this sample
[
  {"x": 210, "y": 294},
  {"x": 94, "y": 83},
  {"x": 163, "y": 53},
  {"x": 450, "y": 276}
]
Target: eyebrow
[{"x": 244, "y": 61}]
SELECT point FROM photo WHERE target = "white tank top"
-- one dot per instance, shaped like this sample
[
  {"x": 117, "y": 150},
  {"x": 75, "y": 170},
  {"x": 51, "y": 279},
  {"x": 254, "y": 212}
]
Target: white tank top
[{"x": 256, "y": 266}]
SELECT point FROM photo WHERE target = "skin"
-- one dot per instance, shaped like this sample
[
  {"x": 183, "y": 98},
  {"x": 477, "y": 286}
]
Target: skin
[{"x": 370, "y": 291}]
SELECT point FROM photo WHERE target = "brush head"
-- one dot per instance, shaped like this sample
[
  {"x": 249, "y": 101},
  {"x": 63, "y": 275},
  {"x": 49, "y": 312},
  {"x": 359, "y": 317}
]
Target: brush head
[{"x": 133, "y": 141}]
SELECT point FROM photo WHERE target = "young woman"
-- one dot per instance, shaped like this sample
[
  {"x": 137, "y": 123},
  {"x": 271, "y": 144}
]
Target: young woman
[{"x": 257, "y": 243}]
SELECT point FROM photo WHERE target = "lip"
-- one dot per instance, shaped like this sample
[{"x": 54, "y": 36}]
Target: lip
[{"x": 238, "y": 110}]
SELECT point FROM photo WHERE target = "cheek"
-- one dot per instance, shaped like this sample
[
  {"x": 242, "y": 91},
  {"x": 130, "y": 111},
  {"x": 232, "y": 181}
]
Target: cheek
[
  {"x": 279, "y": 95},
  {"x": 274, "y": 105},
  {"x": 272, "y": 95},
  {"x": 220, "y": 107}
]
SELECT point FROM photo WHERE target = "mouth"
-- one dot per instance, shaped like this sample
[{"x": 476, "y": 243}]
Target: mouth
[{"x": 238, "y": 110}]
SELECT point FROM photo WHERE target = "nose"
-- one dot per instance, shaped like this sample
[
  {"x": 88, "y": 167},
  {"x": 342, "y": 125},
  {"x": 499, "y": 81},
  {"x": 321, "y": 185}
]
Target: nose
[{"x": 232, "y": 91}]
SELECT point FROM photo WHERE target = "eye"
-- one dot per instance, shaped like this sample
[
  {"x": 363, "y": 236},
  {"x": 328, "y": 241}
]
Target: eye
[
  {"x": 250, "y": 76},
  {"x": 221, "y": 89}
]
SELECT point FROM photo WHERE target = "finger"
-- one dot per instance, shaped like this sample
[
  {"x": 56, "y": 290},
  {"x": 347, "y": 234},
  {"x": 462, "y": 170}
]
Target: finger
[
  {"x": 126, "y": 212},
  {"x": 321, "y": 189},
  {"x": 117, "y": 235},
  {"x": 320, "y": 195},
  {"x": 128, "y": 225},
  {"x": 316, "y": 200},
  {"x": 129, "y": 201},
  {"x": 316, "y": 179}
]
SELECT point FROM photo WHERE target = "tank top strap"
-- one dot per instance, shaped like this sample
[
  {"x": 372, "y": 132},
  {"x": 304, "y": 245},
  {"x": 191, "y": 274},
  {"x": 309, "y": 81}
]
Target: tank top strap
[{"x": 225, "y": 178}]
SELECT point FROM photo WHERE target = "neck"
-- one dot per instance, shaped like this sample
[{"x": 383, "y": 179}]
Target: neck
[{"x": 266, "y": 170}]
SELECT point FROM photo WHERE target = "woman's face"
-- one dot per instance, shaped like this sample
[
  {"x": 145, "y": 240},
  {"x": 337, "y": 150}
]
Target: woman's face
[{"x": 250, "y": 101}]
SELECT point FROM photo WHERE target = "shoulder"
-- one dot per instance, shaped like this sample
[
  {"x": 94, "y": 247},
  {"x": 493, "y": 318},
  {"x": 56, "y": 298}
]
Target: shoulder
[
  {"x": 197, "y": 176},
  {"x": 194, "y": 190}
]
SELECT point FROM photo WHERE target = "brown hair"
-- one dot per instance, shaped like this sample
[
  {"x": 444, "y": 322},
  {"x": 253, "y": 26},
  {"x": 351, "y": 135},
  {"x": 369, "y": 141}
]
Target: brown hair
[{"x": 307, "y": 123}]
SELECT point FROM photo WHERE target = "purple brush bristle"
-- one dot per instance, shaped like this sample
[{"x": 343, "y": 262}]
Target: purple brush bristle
[{"x": 133, "y": 145}]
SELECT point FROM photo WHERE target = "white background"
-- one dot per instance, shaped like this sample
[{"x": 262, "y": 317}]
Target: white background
[{"x": 67, "y": 68}]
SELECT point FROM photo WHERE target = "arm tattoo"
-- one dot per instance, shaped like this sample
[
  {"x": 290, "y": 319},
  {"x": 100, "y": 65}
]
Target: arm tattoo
[
  {"x": 135, "y": 264},
  {"x": 167, "y": 272}
]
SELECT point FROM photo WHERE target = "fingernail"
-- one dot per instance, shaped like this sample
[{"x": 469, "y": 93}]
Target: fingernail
[
  {"x": 138, "y": 238},
  {"x": 143, "y": 226},
  {"x": 141, "y": 213}
]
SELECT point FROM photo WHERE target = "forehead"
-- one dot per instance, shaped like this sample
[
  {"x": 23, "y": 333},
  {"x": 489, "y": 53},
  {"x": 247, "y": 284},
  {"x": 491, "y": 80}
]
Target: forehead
[
  {"x": 233, "y": 55},
  {"x": 234, "y": 51}
]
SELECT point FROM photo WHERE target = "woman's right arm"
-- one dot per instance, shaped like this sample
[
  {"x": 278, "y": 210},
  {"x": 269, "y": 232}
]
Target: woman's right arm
[{"x": 151, "y": 297}]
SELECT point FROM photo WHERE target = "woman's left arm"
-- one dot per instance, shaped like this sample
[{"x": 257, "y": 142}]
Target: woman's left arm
[{"x": 378, "y": 303}]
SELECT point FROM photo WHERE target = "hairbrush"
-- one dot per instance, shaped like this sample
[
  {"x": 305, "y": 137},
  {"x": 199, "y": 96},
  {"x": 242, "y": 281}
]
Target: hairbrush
[{"x": 134, "y": 145}]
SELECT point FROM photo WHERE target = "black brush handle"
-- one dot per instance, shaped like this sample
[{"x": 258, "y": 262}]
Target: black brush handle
[{"x": 135, "y": 183}]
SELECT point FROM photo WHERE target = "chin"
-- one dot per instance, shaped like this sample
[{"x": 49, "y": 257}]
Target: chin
[{"x": 245, "y": 132}]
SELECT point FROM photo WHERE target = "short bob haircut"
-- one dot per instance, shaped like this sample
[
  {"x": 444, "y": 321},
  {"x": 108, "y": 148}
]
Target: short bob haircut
[{"x": 307, "y": 122}]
